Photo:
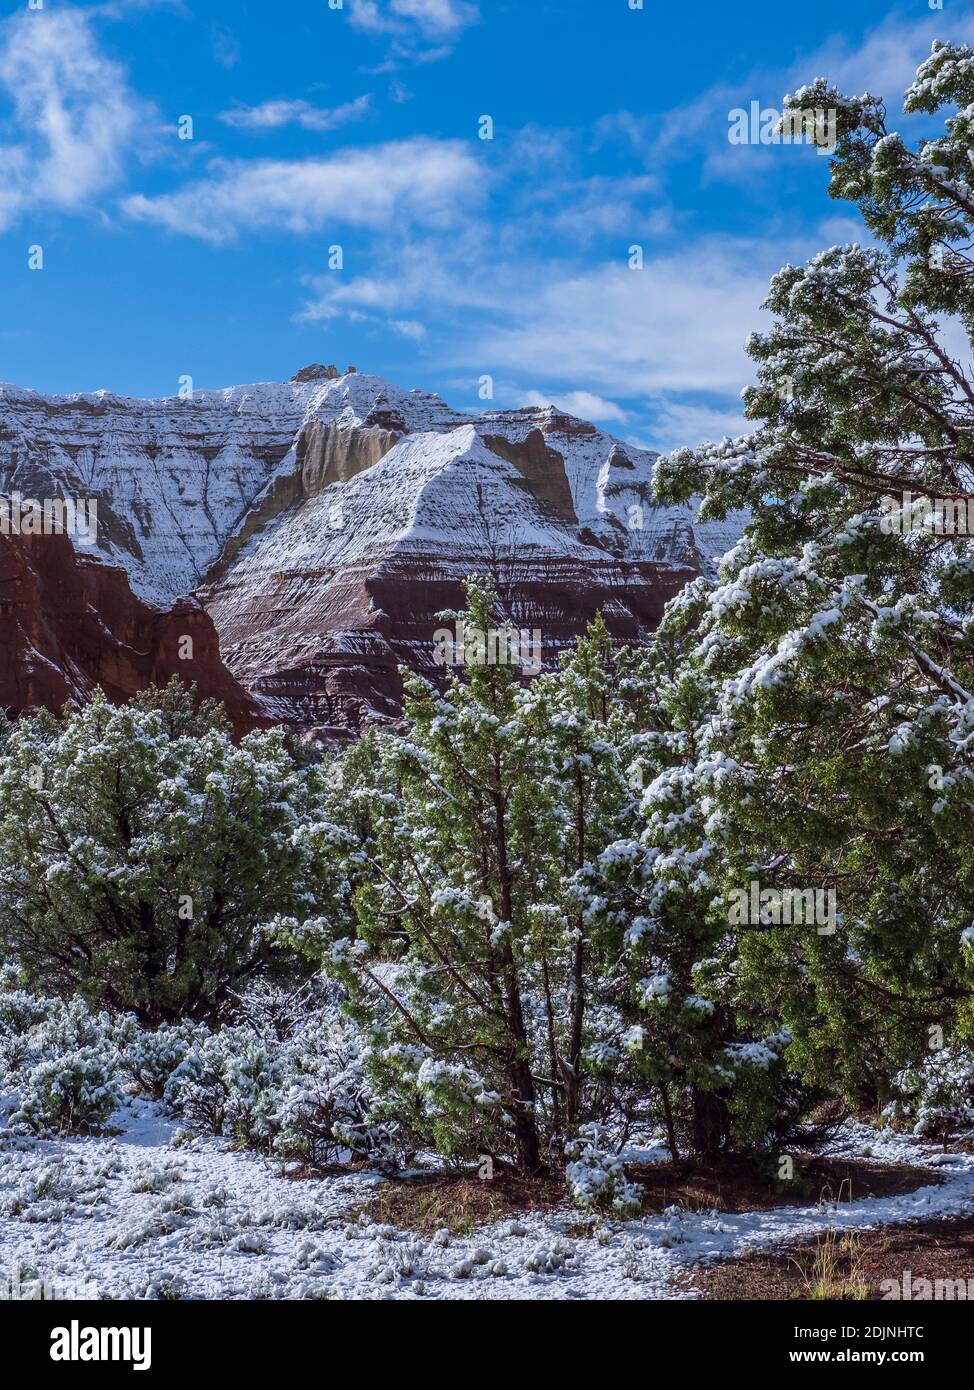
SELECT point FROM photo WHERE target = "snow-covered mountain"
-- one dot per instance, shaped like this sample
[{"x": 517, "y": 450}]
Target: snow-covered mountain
[{"x": 325, "y": 520}]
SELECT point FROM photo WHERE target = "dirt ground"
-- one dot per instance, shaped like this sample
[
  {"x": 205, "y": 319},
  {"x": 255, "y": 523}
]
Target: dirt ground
[{"x": 848, "y": 1266}]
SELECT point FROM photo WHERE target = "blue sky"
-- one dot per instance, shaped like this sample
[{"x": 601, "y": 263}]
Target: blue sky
[{"x": 358, "y": 126}]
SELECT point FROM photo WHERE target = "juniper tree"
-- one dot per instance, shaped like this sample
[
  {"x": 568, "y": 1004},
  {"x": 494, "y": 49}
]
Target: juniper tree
[
  {"x": 469, "y": 964},
  {"x": 580, "y": 721},
  {"x": 684, "y": 1036},
  {"x": 141, "y": 851},
  {"x": 840, "y": 637}
]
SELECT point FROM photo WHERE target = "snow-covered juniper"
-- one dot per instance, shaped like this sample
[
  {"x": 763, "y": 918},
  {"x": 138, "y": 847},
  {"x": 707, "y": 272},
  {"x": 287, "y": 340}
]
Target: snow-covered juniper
[
  {"x": 141, "y": 850},
  {"x": 838, "y": 648}
]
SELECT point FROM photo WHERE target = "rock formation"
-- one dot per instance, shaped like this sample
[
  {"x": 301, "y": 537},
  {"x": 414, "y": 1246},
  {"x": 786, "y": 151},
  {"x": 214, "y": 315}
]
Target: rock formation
[
  {"x": 321, "y": 524},
  {"x": 69, "y": 623}
]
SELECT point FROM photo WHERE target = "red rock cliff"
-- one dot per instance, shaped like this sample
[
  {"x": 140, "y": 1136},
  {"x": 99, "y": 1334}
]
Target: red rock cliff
[{"x": 69, "y": 623}]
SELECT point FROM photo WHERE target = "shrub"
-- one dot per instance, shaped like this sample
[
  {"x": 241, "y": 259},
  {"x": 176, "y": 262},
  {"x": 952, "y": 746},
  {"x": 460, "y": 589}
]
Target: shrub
[
  {"x": 227, "y": 1083},
  {"x": 938, "y": 1095},
  {"x": 595, "y": 1176},
  {"x": 325, "y": 1112},
  {"x": 69, "y": 1093},
  {"x": 151, "y": 1058},
  {"x": 141, "y": 851}
]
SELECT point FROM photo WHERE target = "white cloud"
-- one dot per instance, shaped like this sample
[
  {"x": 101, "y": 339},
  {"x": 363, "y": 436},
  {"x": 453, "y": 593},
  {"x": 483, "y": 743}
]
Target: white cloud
[
  {"x": 420, "y": 182},
  {"x": 75, "y": 119},
  {"x": 601, "y": 206},
  {"x": 675, "y": 423},
  {"x": 408, "y": 328},
  {"x": 434, "y": 19},
  {"x": 884, "y": 62},
  {"x": 678, "y": 324},
  {"x": 226, "y": 46},
  {"x": 272, "y": 115}
]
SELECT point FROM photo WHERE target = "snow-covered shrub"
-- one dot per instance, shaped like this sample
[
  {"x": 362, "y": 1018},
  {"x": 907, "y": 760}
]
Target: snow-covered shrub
[
  {"x": 595, "y": 1176},
  {"x": 553, "y": 1259},
  {"x": 253, "y": 1074},
  {"x": 279, "y": 1014},
  {"x": 150, "y": 1058},
  {"x": 20, "y": 1012},
  {"x": 227, "y": 1083},
  {"x": 156, "y": 1177},
  {"x": 311, "y": 1255},
  {"x": 68, "y": 1026},
  {"x": 19, "y": 1009},
  {"x": 53, "y": 1190},
  {"x": 937, "y": 1097},
  {"x": 324, "y": 1111},
  {"x": 164, "y": 1287},
  {"x": 69, "y": 1077},
  {"x": 68, "y": 1093},
  {"x": 158, "y": 842}
]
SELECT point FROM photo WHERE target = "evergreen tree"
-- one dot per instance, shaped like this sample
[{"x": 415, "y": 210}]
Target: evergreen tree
[
  {"x": 470, "y": 965},
  {"x": 140, "y": 852},
  {"x": 839, "y": 640},
  {"x": 686, "y": 1040}
]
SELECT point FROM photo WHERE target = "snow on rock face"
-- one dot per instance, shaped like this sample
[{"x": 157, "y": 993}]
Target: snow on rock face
[
  {"x": 348, "y": 580},
  {"x": 171, "y": 476},
  {"x": 326, "y": 519}
]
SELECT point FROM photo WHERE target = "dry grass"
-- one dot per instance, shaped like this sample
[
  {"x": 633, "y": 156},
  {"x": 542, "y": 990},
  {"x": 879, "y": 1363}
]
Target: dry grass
[
  {"x": 459, "y": 1204},
  {"x": 844, "y": 1266},
  {"x": 837, "y": 1270}
]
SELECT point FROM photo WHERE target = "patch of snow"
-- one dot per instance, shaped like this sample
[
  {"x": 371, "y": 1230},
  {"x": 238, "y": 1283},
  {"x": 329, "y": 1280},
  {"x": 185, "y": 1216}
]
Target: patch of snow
[{"x": 137, "y": 1216}]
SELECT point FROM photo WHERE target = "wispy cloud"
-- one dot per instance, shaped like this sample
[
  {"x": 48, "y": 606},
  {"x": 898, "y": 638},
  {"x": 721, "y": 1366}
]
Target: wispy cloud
[
  {"x": 678, "y": 324},
  {"x": 691, "y": 421},
  {"x": 226, "y": 46},
  {"x": 434, "y": 19},
  {"x": 74, "y": 117},
  {"x": 883, "y": 61},
  {"x": 585, "y": 404},
  {"x": 418, "y": 30},
  {"x": 272, "y": 115},
  {"x": 419, "y": 182}
]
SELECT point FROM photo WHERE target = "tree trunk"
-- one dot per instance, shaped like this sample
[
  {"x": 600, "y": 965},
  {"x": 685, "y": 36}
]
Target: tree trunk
[
  {"x": 519, "y": 1067},
  {"x": 670, "y": 1127},
  {"x": 708, "y": 1126},
  {"x": 573, "y": 1075}
]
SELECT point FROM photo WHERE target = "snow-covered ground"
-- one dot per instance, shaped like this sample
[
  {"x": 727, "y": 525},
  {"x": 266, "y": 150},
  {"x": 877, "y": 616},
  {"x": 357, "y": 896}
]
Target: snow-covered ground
[{"x": 132, "y": 1215}]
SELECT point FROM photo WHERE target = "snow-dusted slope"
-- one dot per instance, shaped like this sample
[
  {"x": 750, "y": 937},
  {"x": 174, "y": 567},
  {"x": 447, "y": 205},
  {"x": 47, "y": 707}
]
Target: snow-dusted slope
[
  {"x": 328, "y": 517},
  {"x": 427, "y": 488},
  {"x": 327, "y": 597},
  {"x": 174, "y": 476},
  {"x": 171, "y": 476}
]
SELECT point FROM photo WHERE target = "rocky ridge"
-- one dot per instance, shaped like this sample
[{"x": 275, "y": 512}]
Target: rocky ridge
[{"x": 323, "y": 523}]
